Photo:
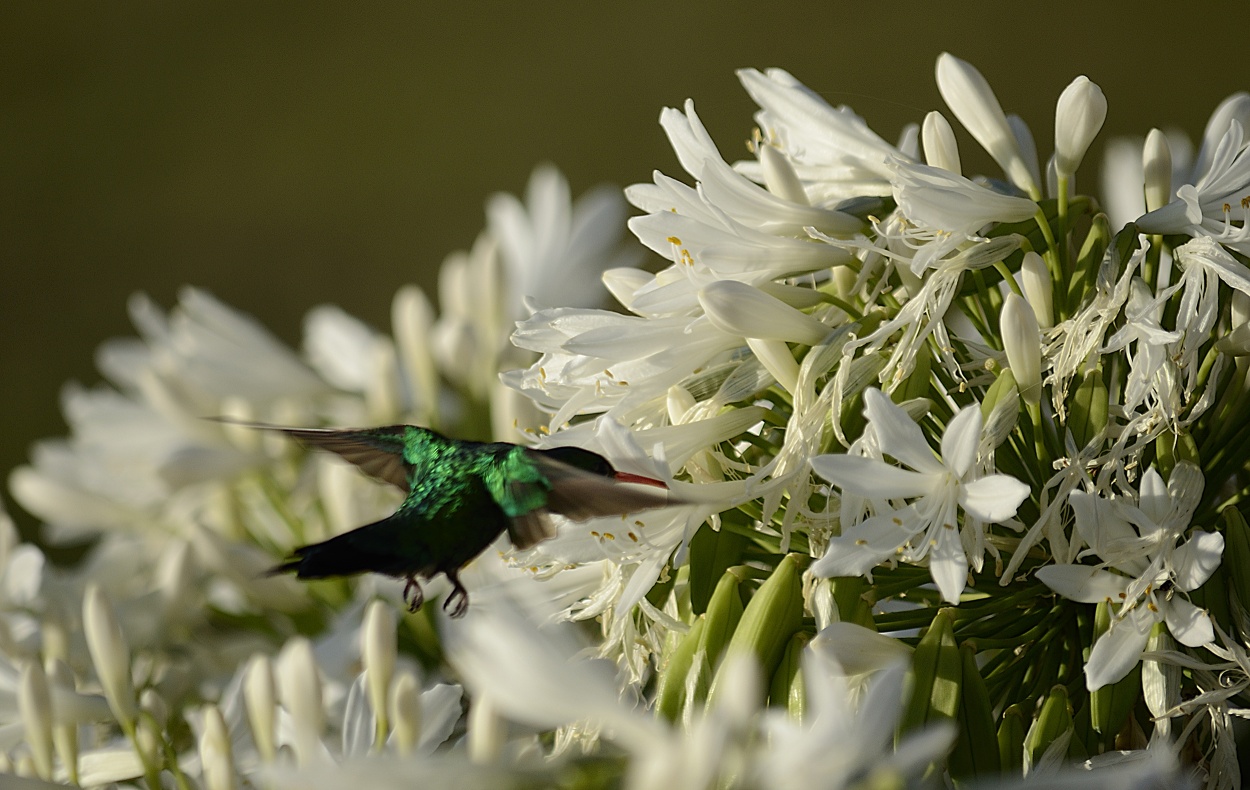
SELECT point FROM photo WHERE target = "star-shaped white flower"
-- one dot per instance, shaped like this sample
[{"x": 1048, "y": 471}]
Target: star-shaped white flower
[
  {"x": 937, "y": 487},
  {"x": 1141, "y": 542}
]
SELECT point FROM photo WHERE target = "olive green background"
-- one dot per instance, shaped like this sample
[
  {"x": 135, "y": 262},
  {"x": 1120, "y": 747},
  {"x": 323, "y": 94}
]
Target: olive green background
[{"x": 289, "y": 154}]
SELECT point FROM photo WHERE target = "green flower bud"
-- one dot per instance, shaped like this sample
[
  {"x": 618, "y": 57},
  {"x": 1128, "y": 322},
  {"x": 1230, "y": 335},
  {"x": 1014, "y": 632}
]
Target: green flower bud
[{"x": 773, "y": 615}]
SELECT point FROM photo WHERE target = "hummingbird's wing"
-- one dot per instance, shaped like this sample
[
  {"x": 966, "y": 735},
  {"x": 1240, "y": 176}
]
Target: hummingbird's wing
[
  {"x": 379, "y": 452},
  {"x": 573, "y": 493}
]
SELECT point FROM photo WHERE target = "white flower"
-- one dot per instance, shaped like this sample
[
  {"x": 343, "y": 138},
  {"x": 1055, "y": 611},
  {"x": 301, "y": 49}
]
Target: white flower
[
  {"x": 939, "y": 488},
  {"x": 1142, "y": 543},
  {"x": 833, "y": 151},
  {"x": 1215, "y": 201}
]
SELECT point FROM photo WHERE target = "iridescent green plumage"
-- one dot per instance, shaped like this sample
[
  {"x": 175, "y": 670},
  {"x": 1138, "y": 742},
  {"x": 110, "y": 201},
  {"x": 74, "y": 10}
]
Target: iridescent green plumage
[{"x": 460, "y": 497}]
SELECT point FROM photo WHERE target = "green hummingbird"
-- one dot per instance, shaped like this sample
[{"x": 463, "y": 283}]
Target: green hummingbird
[{"x": 460, "y": 496}]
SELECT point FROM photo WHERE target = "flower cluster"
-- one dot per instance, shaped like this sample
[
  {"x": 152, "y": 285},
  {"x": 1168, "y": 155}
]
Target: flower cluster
[{"x": 985, "y": 431}]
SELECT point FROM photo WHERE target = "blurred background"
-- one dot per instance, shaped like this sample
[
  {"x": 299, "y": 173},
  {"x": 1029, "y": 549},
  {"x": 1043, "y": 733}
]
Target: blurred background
[{"x": 288, "y": 155}]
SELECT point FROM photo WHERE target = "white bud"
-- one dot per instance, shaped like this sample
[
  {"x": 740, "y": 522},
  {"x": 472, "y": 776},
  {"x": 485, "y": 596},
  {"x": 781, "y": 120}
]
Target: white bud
[
  {"x": 261, "y": 699},
  {"x": 64, "y": 730},
  {"x": 1079, "y": 116},
  {"x": 679, "y": 403},
  {"x": 378, "y": 650},
  {"x": 776, "y": 358},
  {"x": 299, "y": 687},
  {"x": 973, "y": 102},
  {"x": 1038, "y": 289},
  {"x": 779, "y": 175},
  {"x": 34, "y": 703},
  {"x": 1156, "y": 162},
  {"x": 940, "y": 148},
  {"x": 486, "y": 730},
  {"x": 215, "y": 753},
  {"x": 109, "y": 652},
  {"x": 405, "y": 709},
  {"x": 1022, "y": 342}
]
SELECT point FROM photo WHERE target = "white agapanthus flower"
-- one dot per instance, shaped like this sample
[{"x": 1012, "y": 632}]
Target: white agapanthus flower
[
  {"x": 1146, "y": 563},
  {"x": 938, "y": 487}
]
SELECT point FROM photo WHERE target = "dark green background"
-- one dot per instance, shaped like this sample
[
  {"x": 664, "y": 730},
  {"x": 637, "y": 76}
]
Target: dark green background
[{"x": 285, "y": 155}]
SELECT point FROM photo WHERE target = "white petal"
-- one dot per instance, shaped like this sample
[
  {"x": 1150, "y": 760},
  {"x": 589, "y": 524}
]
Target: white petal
[
  {"x": 857, "y": 649},
  {"x": 959, "y": 442},
  {"x": 1118, "y": 650},
  {"x": 1195, "y": 560},
  {"x": 898, "y": 435},
  {"x": 994, "y": 498},
  {"x": 740, "y": 309},
  {"x": 1190, "y": 625},
  {"x": 1083, "y": 583},
  {"x": 868, "y": 477},
  {"x": 862, "y": 547},
  {"x": 948, "y": 565}
]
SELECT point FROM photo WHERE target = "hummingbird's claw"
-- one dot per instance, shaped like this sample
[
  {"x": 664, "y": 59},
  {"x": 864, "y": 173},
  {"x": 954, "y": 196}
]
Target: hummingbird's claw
[
  {"x": 458, "y": 594},
  {"x": 418, "y": 596}
]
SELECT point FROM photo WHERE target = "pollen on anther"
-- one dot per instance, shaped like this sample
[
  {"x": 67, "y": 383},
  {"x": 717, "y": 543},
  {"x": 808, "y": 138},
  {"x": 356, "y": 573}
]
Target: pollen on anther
[
  {"x": 639, "y": 524},
  {"x": 674, "y": 239},
  {"x": 609, "y": 536},
  {"x": 898, "y": 522},
  {"x": 594, "y": 534},
  {"x": 632, "y": 536},
  {"x": 861, "y": 542}
]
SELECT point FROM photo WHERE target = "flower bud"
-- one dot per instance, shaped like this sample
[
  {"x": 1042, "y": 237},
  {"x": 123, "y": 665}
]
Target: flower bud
[
  {"x": 300, "y": 690},
  {"x": 34, "y": 703},
  {"x": 1157, "y": 170},
  {"x": 64, "y": 730},
  {"x": 260, "y": 697},
  {"x": 973, "y": 102},
  {"x": 404, "y": 706},
  {"x": 1079, "y": 116},
  {"x": 1160, "y": 681},
  {"x": 109, "y": 652},
  {"x": 779, "y": 175},
  {"x": 1022, "y": 342},
  {"x": 486, "y": 731},
  {"x": 940, "y": 148},
  {"x": 215, "y": 752},
  {"x": 776, "y": 358},
  {"x": 773, "y": 615},
  {"x": 377, "y": 651},
  {"x": 1038, "y": 289}
]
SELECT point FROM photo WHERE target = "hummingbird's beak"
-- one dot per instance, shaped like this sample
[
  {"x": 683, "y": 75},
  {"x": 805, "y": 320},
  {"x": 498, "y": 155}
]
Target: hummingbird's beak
[{"x": 629, "y": 477}]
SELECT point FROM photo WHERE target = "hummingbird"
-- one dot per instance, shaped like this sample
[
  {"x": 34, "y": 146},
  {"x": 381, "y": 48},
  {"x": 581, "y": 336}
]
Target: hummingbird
[{"x": 459, "y": 497}]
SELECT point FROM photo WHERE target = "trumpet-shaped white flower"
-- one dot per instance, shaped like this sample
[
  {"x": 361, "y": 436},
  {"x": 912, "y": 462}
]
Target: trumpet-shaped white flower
[
  {"x": 1145, "y": 565},
  {"x": 938, "y": 487},
  {"x": 1215, "y": 201}
]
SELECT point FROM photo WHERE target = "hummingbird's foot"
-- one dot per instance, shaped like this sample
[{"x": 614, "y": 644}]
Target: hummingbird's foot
[
  {"x": 458, "y": 594},
  {"x": 418, "y": 596}
]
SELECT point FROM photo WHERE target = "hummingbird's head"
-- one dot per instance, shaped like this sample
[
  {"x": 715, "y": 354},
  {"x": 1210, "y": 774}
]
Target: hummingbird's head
[{"x": 598, "y": 465}]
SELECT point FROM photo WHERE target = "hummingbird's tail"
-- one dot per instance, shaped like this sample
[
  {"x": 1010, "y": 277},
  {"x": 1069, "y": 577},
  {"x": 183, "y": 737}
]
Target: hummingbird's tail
[{"x": 360, "y": 551}]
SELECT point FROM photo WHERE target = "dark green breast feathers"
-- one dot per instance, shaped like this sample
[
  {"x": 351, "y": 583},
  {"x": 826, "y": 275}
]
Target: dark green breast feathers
[{"x": 460, "y": 497}]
